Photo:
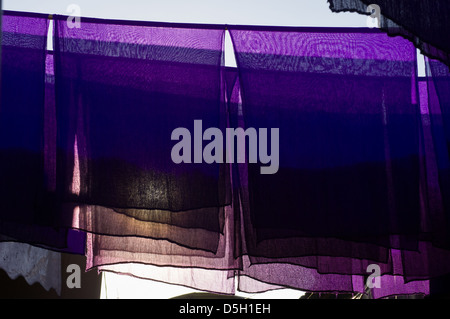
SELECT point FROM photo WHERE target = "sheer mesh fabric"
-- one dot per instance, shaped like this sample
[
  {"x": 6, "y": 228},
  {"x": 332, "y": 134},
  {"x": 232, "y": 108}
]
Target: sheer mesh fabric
[
  {"x": 28, "y": 211},
  {"x": 362, "y": 177},
  {"x": 349, "y": 184}
]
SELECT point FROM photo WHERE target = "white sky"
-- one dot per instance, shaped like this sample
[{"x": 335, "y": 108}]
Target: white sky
[
  {"x": 315, "y": 13},
  {"x": 249, "y": 12}
]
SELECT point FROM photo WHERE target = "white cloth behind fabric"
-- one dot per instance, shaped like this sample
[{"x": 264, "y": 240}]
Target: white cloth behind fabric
[{"x": 36, "y": 265}]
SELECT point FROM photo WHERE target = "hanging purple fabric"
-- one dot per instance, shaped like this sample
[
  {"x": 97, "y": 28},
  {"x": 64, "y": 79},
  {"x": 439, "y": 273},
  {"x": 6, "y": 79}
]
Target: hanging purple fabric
[
  {"x": 438, "y": 76},
  {"x": 431, "y": 259},
  {"x": 348, "y": 184},
  {"x": 122, "y": 89},
  {"x": 346, "y": 108},
  {"x": 27, "y": 210}
]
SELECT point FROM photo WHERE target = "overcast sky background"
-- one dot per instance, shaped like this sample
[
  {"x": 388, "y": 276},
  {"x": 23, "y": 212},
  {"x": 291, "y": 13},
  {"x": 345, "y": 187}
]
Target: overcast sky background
[{"x": 249, "y": 12}]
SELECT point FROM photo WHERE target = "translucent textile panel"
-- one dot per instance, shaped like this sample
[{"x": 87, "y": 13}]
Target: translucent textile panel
[
  {"x": 122, "y": 90},
  {"x": 345, "y": 103},
  {"x": 28, "y": 210}
]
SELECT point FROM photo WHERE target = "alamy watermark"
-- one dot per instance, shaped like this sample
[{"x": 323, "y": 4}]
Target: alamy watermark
[
  {"x": 74, "y": 19},
  {"x": 373, "y": 281},
  {"x": 373, "y": 21},
  {"x": 213, "y": 152},
  {"x": 74, "y": 279}
]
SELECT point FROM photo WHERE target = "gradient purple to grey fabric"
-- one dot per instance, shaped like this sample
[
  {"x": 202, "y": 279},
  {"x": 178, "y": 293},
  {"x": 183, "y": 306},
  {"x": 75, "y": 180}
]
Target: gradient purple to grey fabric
[{"x": 85, "y": 143}]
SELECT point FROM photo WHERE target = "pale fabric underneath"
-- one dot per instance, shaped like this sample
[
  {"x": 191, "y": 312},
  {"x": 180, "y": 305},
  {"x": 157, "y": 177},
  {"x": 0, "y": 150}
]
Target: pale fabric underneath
[{"x": 34, "y": 264}]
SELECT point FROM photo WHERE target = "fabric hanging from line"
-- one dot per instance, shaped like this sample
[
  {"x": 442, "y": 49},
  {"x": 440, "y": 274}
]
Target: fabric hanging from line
[
  {"x": 362, "y": 155},
  {"x": 125, "y": 88},
  {"x": 425, "y": 23},
  {"x": 27, "y": 104},
  {"x": 433, "y": 256},
  {"x": 28, "y": 211},
  {"x": 346, "y": 106},
  {"x": 347, "y": 190},
  {"x": 21, "y": 130}
]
